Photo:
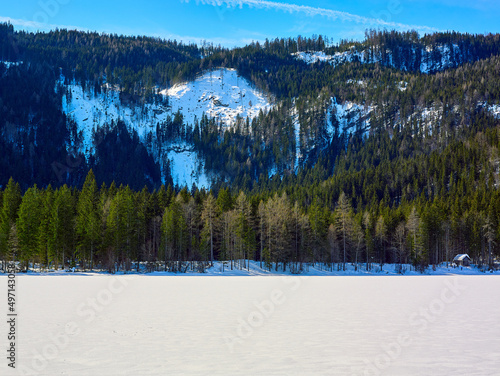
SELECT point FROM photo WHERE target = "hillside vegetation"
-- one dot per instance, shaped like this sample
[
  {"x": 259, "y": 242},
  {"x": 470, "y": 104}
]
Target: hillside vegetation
[{"x": 373, "y": 151}]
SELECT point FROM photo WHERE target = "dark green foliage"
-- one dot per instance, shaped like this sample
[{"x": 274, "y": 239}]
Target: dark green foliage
[
  {"x": 415, "y": 189},
  {"x": 121, "y": 158}
]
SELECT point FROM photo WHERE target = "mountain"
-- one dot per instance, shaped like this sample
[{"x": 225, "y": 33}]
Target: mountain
[
  {"x": 210, "y": 117},
  {"x": 287, "y": 152}
]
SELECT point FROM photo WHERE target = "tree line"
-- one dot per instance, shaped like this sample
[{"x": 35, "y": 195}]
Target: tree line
[{"x": 117, "y": 229}]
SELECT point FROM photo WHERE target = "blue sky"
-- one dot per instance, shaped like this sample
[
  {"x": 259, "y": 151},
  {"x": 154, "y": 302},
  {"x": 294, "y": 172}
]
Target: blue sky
[{"x": 238, "y": 22}]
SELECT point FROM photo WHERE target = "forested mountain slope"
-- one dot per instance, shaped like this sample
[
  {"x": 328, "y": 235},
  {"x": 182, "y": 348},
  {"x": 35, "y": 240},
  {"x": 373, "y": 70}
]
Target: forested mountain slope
[
  {"x": 390, "y": 144},
  {"x": 309, "y": 111}
]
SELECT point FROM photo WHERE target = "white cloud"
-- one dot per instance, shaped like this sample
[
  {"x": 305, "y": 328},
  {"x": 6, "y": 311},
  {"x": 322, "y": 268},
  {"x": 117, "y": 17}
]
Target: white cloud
[
  {"x": 481, "y": 5},
  {"x": 313, "y": 11}
]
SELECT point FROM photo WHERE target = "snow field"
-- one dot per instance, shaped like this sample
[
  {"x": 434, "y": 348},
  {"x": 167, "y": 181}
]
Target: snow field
[{"x": 281, "y": 325}]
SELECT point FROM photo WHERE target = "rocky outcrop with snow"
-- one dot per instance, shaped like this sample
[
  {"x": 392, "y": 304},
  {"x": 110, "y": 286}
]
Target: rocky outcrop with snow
[
  {"x": 221, "y": 94},
  {"x": 430, "y": 59}
]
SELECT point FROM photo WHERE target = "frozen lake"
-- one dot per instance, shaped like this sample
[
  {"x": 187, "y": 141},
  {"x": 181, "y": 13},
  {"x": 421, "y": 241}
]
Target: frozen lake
[{"x": 162, "y": 325}]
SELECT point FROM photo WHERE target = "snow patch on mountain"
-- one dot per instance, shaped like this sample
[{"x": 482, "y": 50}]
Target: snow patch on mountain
[
  {"x": 221, "y": 94},
  {"x": 9, "y": 64},
  {"x": 296, "y": 129},
  {"x": 495, "y": 110},
  {"x": 434, "y": 59},
  {"x": 91, "y": 111},
  {"x": 439, "y": 58},
  {"x": 186, "y": 167},
  {"x": 402, "y": 85},
  {"x": 428, "y": 118},
  {"x": 350, "y": 117},
  {"x": 335, "y": 59}
]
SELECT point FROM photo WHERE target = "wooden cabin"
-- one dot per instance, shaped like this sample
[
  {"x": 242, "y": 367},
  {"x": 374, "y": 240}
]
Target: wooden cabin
[{"x": 462, "y": 260}]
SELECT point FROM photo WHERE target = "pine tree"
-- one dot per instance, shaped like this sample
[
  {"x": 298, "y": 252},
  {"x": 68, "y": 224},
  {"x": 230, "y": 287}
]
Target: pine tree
[
  {"x": 11, "y": 199},
  {"x": 262, "y": 229},
  {"x": 357, "y": 238},
  {"x": 62, "y": 226},
  {"x": 244, "y": 227},
  {"x": 174, "y": 232},
  {"x": 489, "y": 234},
  {"x": 333, "y": 245},
  {"x": 88, "y": 220},
  {"x": 381, "y": 237},
  {"x": 43, "y": 235},
  {"x": 345, "y": 223},
  {"x": 210, "y": 218},
  {"x": 400, "y": 238},
  {"x": 28, "y": 224},
  {"x": 413, "y": 225},
  {"x": 224, "y": 200},
  {"x": 13, "y": 244},
  {"x": 368, "y": 225}
]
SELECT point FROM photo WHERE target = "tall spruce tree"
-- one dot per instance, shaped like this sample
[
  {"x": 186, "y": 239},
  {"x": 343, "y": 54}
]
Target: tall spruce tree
[
  {"x": 28, "y": 225},
  {"x": 62, "y": 226},
  {"x": 210, "y": 218},
  {"x": 11, "y": 199},
  {"x": 88, "y": 220}
]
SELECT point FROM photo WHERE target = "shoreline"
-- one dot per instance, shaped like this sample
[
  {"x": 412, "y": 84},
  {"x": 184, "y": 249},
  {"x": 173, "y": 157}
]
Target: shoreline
[{"x": 309, "y": 270}]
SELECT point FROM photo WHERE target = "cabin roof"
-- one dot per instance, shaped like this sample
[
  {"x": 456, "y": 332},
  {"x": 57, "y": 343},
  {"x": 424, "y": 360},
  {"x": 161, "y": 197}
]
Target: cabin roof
[{"x": 461, "y": 257}]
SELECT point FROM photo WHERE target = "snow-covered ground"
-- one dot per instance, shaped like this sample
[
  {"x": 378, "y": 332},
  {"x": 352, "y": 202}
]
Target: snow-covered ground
[
  {"x": 254, "y": 268},
  {"x": 281, "y": 325},
  {"x": 221, "y": 94}
]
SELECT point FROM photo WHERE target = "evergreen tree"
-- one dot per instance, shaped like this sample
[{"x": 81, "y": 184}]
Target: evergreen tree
[
  {"x": 210, "y": 218},
  {"x": 62, "y": 226},
  {"x": 43, "y": 235},
  {"x": 28, "y": 226},
  {"x": 413, "y": 225},
  {"x": 344, "y": 217},
  {"x": 11, "y": 199},
  {"x": 88, "y": 221}
]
